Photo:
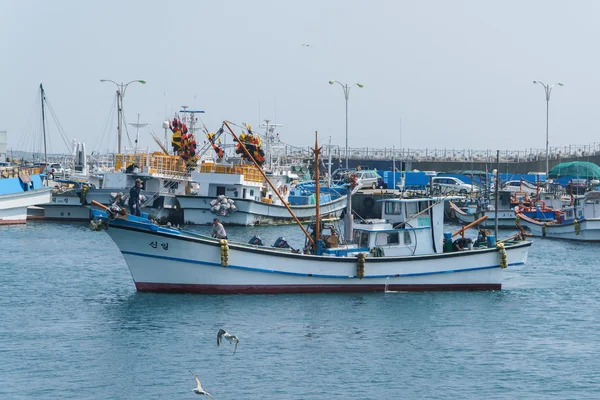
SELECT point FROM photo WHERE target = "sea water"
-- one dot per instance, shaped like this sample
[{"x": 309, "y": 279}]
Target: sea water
[{"x": 72, "y": 326}]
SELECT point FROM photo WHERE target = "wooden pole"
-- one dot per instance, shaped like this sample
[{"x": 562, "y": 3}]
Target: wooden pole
[
  {"x": 102, "y": 206},
  {"x": 464, "y": 228},
  {"x": 310, "y": 239}
]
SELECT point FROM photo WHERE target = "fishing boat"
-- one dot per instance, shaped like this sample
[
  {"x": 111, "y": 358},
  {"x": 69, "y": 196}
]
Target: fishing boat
[
  {"x": 20, "y": 188},
  {"x": 506, "y": 215},
  {"x": 579, "y": 221},
  {"x": 411, "y": 254},
  {"x": 238, "y": 194},
  {"x": 249, "y": 200}
]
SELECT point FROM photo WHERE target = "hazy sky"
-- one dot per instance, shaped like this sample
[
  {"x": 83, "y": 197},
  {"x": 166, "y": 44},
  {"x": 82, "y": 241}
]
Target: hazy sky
[{"x": 436, "y": 74}]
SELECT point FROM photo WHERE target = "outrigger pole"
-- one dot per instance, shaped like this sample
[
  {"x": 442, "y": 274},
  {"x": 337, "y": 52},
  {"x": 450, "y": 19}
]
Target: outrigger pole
[
  {"x": 251, "y": 158},
  {"x": 317, "y": 151}
]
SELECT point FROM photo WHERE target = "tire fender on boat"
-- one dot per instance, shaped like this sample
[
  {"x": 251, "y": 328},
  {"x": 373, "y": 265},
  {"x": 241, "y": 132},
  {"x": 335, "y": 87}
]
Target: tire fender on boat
[{"x": 360, "y": 265}]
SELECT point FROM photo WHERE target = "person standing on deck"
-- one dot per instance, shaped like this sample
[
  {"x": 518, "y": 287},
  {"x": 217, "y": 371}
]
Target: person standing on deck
[
  {"x": 134, "y": 198},
  {"x": 218, "y": 231}
]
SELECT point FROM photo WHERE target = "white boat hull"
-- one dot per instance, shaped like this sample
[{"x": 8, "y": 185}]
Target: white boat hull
[
  {"x": 506, "y": 219},
  {"x": 13, "y": 206},
  {"x": 587, "y": 231},
  {"x": 166, "y": 261},
  {"x": 67, "y": 206},
  {"x": 196, "y": 210}
]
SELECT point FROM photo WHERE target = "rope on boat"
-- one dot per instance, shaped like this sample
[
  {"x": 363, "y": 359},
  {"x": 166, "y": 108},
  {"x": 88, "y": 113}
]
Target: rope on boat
[
  {"x": 360, "y": 265},
  {"x": 502, "y": 255},
  {"x": 576, "y": 227},
  {"x": 224, "y": 253}
]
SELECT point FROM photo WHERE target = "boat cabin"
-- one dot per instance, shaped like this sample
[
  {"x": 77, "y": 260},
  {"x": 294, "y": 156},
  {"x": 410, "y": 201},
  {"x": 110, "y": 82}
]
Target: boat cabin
[{"x": 407, "y": 227}]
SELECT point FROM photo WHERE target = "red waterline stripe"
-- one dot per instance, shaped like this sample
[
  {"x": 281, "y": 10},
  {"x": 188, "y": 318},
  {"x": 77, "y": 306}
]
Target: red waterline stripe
[
  {"x": 12, "y": 221},
  {"x": 271, "y": 289}
]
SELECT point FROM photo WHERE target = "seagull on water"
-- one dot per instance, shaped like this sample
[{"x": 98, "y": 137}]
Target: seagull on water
[
  {"x": 199, "y": 389},
  {"x": 223, "y": 334}
]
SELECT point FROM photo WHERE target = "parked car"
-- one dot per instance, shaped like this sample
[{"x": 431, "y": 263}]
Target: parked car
[
  {"x": 448, "y": 184},
  {"x": 368, "y": 179},
  {"x": 56, "y": 169}
]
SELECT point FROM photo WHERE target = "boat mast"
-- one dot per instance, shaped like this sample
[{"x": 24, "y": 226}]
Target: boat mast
[
  {"x": 317, "y": 242},
  {"x": 44, "y": 128},
  {"x": 119, "y": 120},
  {"x": 251, "y": 158}
]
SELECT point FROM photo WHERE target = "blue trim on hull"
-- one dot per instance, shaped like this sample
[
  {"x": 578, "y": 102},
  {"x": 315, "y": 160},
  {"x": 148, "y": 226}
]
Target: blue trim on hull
[{"x": 312, "y": 275}]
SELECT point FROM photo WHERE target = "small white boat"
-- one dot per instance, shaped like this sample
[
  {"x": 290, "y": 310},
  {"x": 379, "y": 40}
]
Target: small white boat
[
  {"x": 579, "y": 222},
  {"x": 19, "y": 192},
  {"x": 506, "y": 217}
]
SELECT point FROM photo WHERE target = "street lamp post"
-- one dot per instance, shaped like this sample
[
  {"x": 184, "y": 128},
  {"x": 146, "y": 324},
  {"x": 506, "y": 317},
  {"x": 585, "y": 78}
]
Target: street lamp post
[
  {"x": 548, "y": 91},
  {"x": 120, "y": 94},
  {"x": 346, "y": 95}
]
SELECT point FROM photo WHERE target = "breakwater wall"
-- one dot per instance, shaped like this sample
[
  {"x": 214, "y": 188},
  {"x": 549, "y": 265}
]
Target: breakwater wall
[{"x": 512, "y": 167}]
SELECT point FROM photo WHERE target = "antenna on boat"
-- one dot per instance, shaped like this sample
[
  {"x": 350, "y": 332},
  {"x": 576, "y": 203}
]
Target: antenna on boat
[
  {"x": 137, "y": 132},
  {"x": 269, "y": 139},
  {"x": 191, "y": 120},
  {"x": 251, "y": 158}
]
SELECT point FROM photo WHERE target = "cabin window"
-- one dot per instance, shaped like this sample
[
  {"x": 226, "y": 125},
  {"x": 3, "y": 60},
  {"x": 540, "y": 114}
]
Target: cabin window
[
  {"x": 364, "y": 239},
  {"x": 356, "y": 238},
  {"x": 171, "y": 185},
  {"x": 415, "y": 208},
  {"x": 220, "y": 190},
  {"x": 393, "y": 238},
  {"x": 251, "y": 192},
  {"x": 393, "y": 208},
  {"x": 381, "y": 239},
  {"x": 407, "y": 238},
  {"x": 412, "y": 209}
]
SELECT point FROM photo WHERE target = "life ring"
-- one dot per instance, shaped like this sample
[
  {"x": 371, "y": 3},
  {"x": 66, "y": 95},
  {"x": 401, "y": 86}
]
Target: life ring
[{"x": 368, "y": 203}]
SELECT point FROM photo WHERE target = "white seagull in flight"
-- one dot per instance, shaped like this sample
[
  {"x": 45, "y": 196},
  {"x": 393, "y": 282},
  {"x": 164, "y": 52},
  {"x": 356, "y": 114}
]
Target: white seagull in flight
[
  {"x": 223, "y": 334},
  {"x": 305, "y": 45},
  {"x": 199, "y": 389}
]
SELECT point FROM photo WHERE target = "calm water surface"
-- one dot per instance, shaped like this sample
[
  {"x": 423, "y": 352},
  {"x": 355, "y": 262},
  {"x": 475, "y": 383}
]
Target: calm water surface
[{"x": 72, "y": 326}]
